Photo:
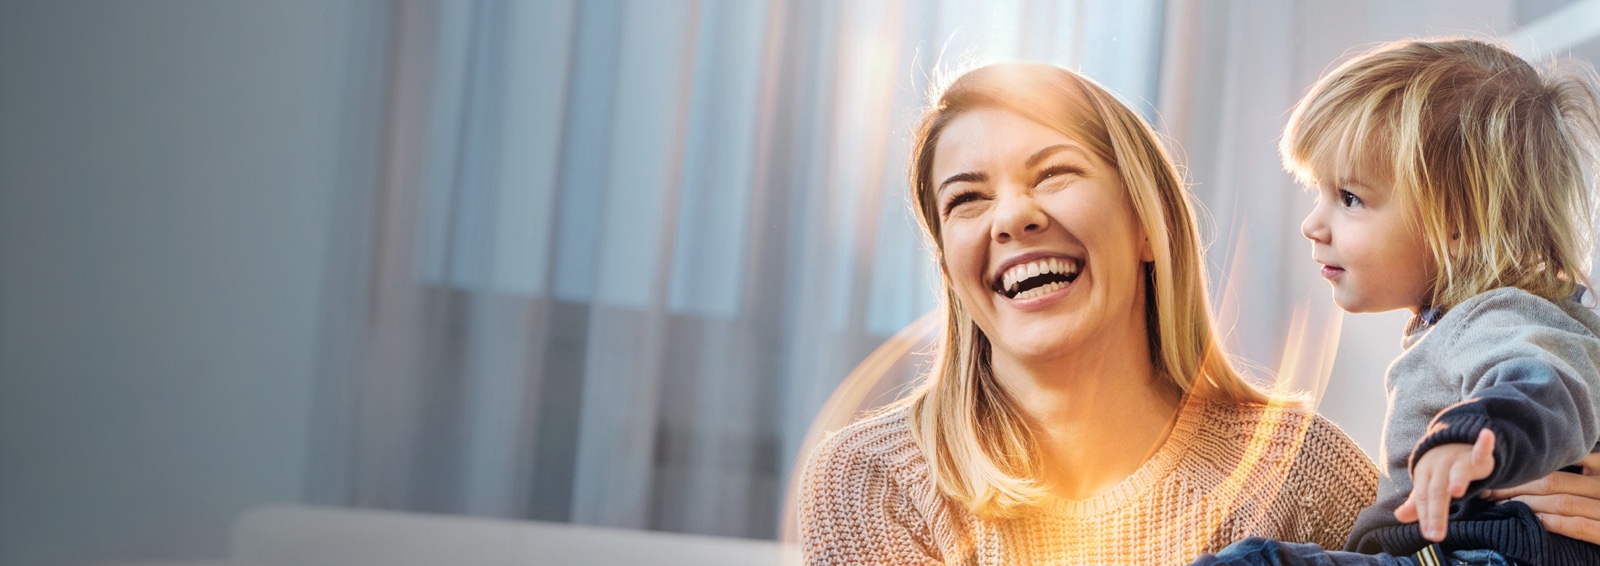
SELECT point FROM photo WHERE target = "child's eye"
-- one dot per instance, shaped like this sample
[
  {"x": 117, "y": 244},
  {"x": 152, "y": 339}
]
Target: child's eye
[{"x": 1347, "y": 199}]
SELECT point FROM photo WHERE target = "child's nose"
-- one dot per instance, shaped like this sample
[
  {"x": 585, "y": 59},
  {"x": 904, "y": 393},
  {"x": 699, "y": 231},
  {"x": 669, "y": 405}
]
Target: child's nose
[{"x": 1313, "y": 228}]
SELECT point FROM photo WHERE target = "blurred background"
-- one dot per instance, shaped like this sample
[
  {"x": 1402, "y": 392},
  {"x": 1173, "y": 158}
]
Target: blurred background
[{"x": 598, "y": 262}]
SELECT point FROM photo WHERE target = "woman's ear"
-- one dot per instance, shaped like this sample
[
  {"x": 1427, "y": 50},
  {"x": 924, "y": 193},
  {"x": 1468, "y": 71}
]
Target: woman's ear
[{"x": 1146, "y": 253}]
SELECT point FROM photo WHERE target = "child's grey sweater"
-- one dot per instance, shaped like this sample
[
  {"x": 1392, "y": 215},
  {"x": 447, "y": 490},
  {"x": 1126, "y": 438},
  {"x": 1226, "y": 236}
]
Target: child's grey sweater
[{"x": 1507, "y": 360}]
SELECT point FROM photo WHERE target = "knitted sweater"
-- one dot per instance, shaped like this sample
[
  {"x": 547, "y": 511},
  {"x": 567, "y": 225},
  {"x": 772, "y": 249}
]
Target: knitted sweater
[{"x": 1226, "y": 471}]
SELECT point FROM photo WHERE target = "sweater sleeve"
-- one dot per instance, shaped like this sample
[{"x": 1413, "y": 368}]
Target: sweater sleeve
[
  {"x": 1334, "y": 480},
  {"x": 854, "y": 510},
  {"x": 1542, "y": 420},
  {"x": 1533, "y": 384}
]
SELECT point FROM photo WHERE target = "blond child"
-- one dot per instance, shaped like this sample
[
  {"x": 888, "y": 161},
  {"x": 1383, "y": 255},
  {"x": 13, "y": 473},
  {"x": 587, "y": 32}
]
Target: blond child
[{"x": 1454, "y": 180}]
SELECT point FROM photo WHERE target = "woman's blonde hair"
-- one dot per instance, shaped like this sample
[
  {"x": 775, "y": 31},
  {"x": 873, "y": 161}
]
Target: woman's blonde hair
[
  {"x": 1490, "y": 152},
  {"x": 976, "y": 442}
]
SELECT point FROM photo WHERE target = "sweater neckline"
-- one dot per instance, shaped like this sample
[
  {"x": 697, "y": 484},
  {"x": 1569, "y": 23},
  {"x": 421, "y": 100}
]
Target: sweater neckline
[{"x": 1191, "y": 415}]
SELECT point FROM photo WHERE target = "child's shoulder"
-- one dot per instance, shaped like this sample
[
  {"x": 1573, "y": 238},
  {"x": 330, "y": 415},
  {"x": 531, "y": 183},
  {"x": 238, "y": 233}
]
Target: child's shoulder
[
  {"x": 1504, "y": 300},
  {"x": 1504, "y": 325},
  {"x": 1495, "y": 312}
]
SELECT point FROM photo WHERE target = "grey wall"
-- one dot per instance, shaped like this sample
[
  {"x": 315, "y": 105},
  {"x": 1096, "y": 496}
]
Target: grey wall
[{"x": 167, "y": 176}]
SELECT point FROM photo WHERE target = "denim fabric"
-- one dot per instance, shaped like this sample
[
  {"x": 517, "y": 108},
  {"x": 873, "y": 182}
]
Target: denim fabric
[
  {"x": 1257, "y": 551},
  {"x": 1481, "y": 557}
]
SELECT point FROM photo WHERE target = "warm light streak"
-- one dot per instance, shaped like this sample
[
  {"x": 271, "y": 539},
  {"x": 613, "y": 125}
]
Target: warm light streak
[
  {"x": 849, "y": 399},
  {"x": 1302, "y": 377},
  {"x": 1245, "y": 496}
]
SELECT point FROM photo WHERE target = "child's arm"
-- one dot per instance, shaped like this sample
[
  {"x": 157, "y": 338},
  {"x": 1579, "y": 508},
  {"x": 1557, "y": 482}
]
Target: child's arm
[
  {"x": 1441, "y": 474},
  {"x": 1541, "y": 414},
  {"x": 1526, "y": 418},
  {"x": 1530, "y": 372}
]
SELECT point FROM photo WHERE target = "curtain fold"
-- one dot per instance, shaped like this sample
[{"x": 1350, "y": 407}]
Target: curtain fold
[{"x": 623, "y": 251}]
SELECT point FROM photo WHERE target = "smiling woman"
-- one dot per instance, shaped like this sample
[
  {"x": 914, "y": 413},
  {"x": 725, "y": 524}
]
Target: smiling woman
[{"x": 1081, "y": 409}]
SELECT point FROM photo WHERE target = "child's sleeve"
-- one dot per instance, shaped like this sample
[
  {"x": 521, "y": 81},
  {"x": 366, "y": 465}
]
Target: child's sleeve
[{"x": 1530, "y": 376}]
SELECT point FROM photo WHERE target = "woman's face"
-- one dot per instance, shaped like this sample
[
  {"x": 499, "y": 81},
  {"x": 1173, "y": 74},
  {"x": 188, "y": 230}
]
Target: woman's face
[{"x": 1039, "y": 237}]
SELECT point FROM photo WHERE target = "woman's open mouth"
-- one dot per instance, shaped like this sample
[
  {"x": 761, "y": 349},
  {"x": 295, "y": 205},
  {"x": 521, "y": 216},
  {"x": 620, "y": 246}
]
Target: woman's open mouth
[{"x": 1036, "y": 278}]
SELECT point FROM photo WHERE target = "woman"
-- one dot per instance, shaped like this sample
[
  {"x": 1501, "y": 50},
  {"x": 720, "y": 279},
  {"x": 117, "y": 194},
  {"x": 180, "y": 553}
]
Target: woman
[{"x": 1081, "y": 410}]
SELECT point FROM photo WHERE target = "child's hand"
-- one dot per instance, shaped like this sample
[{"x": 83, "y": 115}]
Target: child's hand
[{"x": 1441, "y": 474}]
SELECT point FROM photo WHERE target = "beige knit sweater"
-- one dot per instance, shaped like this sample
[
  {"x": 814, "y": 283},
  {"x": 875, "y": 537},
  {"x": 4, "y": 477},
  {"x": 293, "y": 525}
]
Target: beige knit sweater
[{"x": 1225, "y": 472}]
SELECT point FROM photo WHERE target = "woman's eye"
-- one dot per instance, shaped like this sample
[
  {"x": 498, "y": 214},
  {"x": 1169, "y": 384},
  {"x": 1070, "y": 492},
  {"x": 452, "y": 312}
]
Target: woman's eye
[
  {"x": 957, "y": 201},
  {"x": 1347, "y": 199},
  {"x": 1058, "y": 171}
]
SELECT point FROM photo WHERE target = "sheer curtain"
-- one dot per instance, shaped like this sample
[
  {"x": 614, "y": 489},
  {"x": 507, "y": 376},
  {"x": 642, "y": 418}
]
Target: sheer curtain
[{"x": 623, "y": 251}]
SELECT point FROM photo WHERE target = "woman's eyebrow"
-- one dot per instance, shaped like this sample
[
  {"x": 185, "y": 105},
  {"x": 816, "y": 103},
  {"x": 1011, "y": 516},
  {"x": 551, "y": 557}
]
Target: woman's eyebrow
[
  {"x": 1038, "y": 156},
  {"x": 967, "y": 177}
]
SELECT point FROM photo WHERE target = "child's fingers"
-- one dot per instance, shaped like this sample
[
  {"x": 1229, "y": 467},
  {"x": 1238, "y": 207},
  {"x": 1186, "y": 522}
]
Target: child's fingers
[
  {"x": 1419, "y": 496},
  {"x": 1483, "y": 454},
  {"x": 1461, "y": 474},
  {"x": 1407, "y": 512},
  {"x": 1434, "y": 506},
  {"x": 1478, "y": 465}
]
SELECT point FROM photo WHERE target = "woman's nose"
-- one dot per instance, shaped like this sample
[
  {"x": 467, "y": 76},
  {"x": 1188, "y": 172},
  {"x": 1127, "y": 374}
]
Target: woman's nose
[{"x": 1017, "y": 216}]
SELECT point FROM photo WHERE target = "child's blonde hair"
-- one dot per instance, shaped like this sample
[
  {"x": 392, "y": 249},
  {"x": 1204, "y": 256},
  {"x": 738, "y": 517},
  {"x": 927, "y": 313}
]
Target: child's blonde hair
[{"x": 1491, "y": 152}]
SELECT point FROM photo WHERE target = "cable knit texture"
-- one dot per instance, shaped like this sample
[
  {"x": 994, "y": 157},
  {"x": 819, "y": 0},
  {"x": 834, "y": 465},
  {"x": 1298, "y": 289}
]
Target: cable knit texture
[{"x": 1227, "y": 471}]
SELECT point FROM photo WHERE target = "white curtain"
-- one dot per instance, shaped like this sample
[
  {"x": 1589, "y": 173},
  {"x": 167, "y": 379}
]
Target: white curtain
[{"x": 622, "y": 251}]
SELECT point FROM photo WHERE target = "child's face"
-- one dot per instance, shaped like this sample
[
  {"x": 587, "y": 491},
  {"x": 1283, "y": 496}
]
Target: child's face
[{"x": 1370, "y": 246}]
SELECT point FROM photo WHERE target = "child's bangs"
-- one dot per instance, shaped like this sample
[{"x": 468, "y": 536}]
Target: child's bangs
[{"x": 1340, "y": 139}]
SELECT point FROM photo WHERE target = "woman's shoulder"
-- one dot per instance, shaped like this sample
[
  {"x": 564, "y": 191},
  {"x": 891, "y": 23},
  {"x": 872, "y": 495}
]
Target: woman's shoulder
[
  {"x": 866, "y": 498},
  {"x": 878, "y": 443},
  {"x": 1309, "y": 475},
  {"x": 1285, "y": 431},
  {"x": 1236, "y": 419}
]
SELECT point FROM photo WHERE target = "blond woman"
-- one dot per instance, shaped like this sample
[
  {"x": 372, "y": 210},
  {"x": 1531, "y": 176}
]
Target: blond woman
[{"x": 1081, "y": 410}]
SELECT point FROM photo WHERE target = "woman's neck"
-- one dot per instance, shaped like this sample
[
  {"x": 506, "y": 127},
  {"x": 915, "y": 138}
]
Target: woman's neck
[{"x": 1097, "y": 418}]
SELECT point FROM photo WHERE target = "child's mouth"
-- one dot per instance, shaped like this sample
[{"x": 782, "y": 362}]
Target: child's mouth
[{"x": 1332, "y": 273}]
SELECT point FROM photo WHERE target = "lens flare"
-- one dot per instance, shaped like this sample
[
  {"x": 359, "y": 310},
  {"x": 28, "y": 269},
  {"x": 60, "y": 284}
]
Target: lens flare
[
  {"x": 1243, "y": 498},
  {"x": 867, "y": 386}
]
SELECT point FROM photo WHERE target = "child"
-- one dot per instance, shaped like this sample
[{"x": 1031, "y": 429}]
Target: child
[{"x": 1450, "y": 178}]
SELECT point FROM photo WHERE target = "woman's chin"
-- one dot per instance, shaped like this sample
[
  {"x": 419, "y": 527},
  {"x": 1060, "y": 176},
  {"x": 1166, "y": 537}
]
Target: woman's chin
[{"x": 1038, "y": 345}]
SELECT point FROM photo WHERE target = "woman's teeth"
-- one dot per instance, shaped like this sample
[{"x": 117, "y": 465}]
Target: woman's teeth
[
  {"x": 1036, "y": 291},
  {"x": 1038, "y": 277}
]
